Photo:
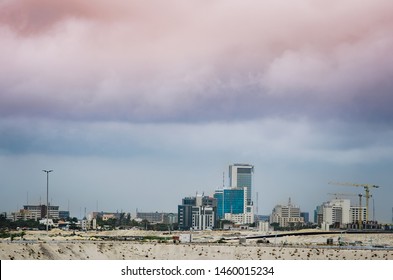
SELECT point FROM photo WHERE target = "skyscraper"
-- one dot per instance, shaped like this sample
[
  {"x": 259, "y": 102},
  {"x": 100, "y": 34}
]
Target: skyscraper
[
  {"x": 240, "y": 175},
  {"x": 234, "y": 203}
]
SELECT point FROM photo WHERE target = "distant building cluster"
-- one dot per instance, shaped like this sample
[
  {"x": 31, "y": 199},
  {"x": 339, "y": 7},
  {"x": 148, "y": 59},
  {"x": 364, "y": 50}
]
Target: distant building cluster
[
  {"x": 228, "y": 206},
  {"x": 231, "y": 203},
  {"x": 339, "y": 213},
  {"x": 38, "y": 212}
]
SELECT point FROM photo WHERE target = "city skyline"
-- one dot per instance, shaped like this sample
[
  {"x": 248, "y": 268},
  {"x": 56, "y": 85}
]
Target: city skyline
[
  {"x": 233, "y": 184},
  {"x": 136, "y": 105}
]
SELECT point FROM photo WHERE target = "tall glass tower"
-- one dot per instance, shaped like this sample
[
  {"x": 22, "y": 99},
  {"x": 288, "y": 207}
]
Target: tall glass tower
[{"x": 240, "y": 175}]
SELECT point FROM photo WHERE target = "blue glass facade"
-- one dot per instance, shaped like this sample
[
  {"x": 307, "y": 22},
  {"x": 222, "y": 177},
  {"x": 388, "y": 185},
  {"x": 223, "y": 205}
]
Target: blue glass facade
[
  {"x": 229, "y": 201},
  {"x": 219, "y": 196}
]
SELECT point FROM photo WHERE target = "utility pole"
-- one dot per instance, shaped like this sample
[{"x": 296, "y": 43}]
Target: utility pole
[
  {"x": 360, "y": 212},
  {"x": 47, "y": 198}
]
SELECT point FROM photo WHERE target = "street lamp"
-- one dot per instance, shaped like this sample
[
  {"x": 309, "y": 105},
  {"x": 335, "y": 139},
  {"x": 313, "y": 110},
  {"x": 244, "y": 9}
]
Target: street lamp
[{"x": 47, "y": 198}]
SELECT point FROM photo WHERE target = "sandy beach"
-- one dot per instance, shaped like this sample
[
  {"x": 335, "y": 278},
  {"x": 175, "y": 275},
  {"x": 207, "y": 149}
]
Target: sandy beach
[{"x": 60, "y": 245}]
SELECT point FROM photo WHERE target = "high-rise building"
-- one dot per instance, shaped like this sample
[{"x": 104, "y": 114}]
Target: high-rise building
[
  {"x": 240, "y": 175},
  {"x": 305, "y": 216},
  {"x": 234, "y": 203},
  {"x": 197, "y": 213}
]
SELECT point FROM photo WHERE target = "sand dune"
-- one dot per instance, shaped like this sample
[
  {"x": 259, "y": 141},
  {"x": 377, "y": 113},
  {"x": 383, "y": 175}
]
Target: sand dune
[{"x": 66, "y": 246}]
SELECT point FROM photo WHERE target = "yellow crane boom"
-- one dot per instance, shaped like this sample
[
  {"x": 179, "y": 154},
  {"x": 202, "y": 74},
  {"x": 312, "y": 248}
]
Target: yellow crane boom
[
  {"x": 366, "y": 187},
  {"x": 339, "y": 195}
]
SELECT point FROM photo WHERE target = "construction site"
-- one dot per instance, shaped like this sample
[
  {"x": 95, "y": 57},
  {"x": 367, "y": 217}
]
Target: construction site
[{"x": 352, "y": 211}]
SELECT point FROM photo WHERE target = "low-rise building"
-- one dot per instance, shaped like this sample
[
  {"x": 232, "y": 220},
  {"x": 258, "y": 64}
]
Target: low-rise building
[
  {"x": 41, "y": 210},
  {"x": 24, "y": 215}
]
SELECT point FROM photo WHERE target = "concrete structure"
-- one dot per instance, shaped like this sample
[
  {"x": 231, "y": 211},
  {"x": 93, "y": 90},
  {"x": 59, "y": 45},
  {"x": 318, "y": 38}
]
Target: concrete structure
[
  {"x": 286, "y": 215},
  {"x": 157, "y": 217},
  {"x": 108, "y": 216},
  {"x": 198, "y": 213},
  {"x": 85, "y": 224},
  {"x": 48, "y": 222},
  {"x": 355, "y": 211},
  {"x": 152, "y": 217},
  {"x": 263, "y": 226},
  {"x": 24, "y": 215},
  {"x": 170, "y": 218},
  {"x": 40, "y": 211},
  {"x": 336, "y": 212}
]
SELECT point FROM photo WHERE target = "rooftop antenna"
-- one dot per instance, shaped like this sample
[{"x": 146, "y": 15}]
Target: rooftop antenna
[
  {"x": 27, "y": 198},
  {"x": 223, "y": 180}
]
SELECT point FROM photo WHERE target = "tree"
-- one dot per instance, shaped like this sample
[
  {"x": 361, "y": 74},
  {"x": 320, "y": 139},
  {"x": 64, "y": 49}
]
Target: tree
[{"x": 275, "y": 226}]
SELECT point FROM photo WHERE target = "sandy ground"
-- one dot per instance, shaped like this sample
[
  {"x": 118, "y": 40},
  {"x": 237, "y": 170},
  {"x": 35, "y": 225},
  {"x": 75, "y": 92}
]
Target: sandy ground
[{"x": 60, "y": 245}]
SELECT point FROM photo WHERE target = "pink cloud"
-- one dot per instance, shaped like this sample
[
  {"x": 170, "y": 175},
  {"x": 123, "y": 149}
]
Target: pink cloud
[{"x": 176, "y": 60}]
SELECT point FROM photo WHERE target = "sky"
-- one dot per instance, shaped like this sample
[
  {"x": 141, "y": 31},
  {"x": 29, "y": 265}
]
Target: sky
[{"x": 137, "y": 104}]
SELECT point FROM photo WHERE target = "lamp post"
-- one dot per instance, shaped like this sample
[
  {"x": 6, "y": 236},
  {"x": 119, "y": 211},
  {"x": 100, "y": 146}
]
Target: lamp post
[{"x": 47, "y": 197}]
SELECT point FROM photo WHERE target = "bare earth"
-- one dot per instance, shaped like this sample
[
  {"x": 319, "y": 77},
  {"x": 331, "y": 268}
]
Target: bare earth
[{"x": 61, "y": 245}]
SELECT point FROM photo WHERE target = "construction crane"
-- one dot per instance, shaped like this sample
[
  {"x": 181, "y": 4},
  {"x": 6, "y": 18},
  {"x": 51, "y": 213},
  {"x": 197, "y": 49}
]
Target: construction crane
[
  {"x": 366, "y": 187},
  {"x": 360, "y": 212},
  {"x": 339, "y": 195}
]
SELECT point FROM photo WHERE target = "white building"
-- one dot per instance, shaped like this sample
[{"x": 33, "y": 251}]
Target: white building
[
  {"x": 336, "y": 212},
  {"x": 203, "y": 217},
  {"x": 24, "y": 215},
  {"x": 240, "y": 219},
  {"x": 263, "y": 226},
  {"x": 85, "y": 224}
]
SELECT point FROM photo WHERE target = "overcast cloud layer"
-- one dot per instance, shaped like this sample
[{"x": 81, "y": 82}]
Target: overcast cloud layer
[{"x": 291, "y": 87}]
